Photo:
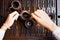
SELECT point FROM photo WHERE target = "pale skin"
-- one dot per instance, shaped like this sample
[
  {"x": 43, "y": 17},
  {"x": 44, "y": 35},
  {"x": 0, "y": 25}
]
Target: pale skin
[
  {"x": 10, "y": 20},
  {"x": 43, "y": 19},
  {"x": 40, "y": 16}
]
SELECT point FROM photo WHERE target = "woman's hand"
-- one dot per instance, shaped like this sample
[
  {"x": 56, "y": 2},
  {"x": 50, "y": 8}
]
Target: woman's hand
[
  {"x": 10, "y": 20},
  {"x": 42, "y": 18}
]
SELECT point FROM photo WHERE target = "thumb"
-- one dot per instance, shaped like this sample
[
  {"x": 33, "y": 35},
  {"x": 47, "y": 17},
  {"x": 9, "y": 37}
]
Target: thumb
[{"x": 34, "y": 16}]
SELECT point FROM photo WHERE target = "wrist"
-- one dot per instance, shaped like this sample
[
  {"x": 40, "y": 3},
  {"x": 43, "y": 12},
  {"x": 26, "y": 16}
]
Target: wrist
[
  {"x": 53, "y": 27},
  {"x": 4, "y": 28}
]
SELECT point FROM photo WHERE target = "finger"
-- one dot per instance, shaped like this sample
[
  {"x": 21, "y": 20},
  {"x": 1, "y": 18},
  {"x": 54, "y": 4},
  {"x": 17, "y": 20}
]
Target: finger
[
  {"x": 37, "y": 19},
  {"x": 37, "y": 13},
  {"x": 13, "y": 13},
  {"x": 42, "y": 12},
  {"x": 34, "y": 16},
  {"x": 16, "y": 17}
]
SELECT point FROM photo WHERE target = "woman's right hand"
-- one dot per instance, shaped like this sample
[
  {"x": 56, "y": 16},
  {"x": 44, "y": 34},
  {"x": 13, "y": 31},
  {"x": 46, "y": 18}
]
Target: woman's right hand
[
  {"x": 42, "y": 18},
  {"x": 10, "y": 20}
]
